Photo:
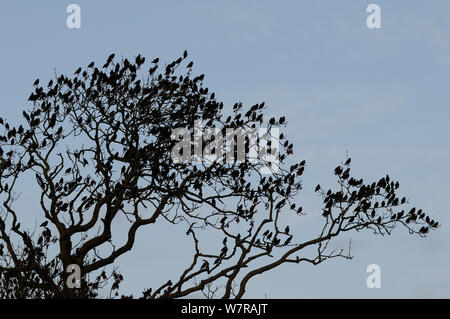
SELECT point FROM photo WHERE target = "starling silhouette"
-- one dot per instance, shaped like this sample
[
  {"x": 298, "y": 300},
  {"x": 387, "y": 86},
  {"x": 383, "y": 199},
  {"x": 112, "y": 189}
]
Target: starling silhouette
[
  {"x": 205, "y": 265},
  {"x": 91, "y": 64},
  {"x": 190, "y": 64},
  {"x": 36, "y": 82},
  {"x": 155, "y": 60},
  {"x": 78, "y": 71},
  {"x": 25, "y": 115},
  {"x": 44, "y": 224}
]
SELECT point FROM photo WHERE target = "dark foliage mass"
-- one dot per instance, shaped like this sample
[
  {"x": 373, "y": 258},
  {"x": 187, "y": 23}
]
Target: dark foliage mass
[{"x": 98, "y": 145}]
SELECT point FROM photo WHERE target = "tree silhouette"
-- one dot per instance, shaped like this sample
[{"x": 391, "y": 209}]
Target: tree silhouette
[{"x": 99, "y": 145}]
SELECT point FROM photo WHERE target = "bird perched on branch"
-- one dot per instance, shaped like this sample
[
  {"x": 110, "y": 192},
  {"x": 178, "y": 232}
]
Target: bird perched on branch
[{"x": 205, "y": 265}]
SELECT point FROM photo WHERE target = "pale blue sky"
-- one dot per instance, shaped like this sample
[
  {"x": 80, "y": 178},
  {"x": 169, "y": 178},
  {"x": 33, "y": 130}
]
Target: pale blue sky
[{"x": 381, "y": 94}]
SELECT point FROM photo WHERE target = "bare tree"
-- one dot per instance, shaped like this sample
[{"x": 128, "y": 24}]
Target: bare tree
[{"x": 99, "y": 145}]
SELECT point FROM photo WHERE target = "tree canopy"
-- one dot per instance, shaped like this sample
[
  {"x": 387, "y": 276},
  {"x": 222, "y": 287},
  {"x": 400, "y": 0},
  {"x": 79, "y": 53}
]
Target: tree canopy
[{"x": 99, "y": 144}]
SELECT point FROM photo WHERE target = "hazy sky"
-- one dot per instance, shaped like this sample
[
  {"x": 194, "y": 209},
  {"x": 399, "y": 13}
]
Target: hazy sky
[{"x": 380, "y": 94}]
